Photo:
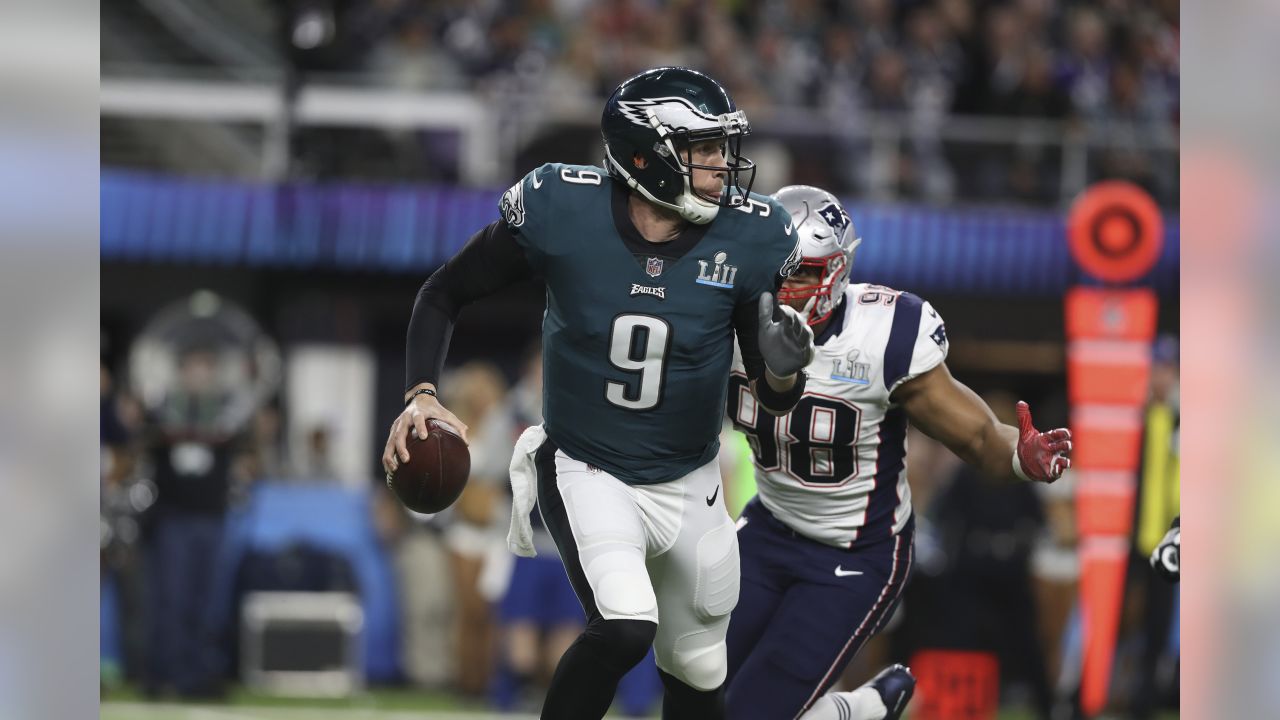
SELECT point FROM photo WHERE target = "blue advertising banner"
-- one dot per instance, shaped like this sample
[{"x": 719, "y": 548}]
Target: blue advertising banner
[{"x": 413, "y": 229}]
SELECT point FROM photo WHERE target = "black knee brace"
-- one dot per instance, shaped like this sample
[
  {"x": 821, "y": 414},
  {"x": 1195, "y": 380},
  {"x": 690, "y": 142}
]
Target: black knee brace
[
  {"x": 621, "y": 643},
  {"x": 588, "y": 674},
  {"x": 681, "y": 701}
]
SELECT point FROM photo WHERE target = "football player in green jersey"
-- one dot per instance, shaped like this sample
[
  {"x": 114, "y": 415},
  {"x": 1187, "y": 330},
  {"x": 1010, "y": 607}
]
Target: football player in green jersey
[{"x": 651, "y": 266}]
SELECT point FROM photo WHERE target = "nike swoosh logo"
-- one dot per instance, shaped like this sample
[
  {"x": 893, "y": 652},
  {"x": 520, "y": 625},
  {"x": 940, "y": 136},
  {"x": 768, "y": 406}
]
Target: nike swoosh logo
[
  {"x": 841, "y": 572},
  {"x": 712, "y": 500},
  {"x": 536, "y": 182},
  {"x": 787, "y": 229}
]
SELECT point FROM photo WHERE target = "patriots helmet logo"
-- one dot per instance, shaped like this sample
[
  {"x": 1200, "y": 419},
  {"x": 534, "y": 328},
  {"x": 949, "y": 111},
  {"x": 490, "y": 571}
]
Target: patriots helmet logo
[
  {"x": 835, "y": 216},
  {"x": 939, "y": 336}
]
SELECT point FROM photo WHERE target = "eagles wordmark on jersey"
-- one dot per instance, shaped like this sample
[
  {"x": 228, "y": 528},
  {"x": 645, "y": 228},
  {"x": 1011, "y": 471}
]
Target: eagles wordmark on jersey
[{"x": 833, "y": 469}]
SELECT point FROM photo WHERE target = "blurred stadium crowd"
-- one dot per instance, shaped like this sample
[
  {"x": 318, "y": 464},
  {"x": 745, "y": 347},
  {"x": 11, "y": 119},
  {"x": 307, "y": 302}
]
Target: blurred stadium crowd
[
  {"x": 1109, "y": 61},
  {"x": 1110, "y": 66},
  {"x": 1070, "y": 92}
]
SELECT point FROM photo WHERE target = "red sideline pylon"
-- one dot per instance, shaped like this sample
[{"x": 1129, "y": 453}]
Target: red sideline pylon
[{"x": 1115, "y": 233}]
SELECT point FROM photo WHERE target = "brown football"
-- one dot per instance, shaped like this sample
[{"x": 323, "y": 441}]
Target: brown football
[{"x": 436, "y": 472}]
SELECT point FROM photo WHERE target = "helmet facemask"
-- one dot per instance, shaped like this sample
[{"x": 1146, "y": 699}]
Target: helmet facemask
[
  {"x": 824, "y": 297},
  {"x": 676, "y": 150}
]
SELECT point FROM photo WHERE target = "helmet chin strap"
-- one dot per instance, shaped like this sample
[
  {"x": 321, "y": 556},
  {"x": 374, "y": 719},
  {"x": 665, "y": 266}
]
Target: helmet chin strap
[
  {"x": 690, "y": 206},
  {"x": 695, "y": 209}
]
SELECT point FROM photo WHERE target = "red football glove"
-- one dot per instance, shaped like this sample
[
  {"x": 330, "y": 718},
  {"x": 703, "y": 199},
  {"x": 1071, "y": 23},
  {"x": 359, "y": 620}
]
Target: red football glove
[{"x": 1041, "y": 456}]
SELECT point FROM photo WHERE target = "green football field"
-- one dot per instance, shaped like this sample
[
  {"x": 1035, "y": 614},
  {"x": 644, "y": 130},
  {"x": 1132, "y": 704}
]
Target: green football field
[
  {"x": 376, "y": 705},
  {"x": 115, "y": 710}
]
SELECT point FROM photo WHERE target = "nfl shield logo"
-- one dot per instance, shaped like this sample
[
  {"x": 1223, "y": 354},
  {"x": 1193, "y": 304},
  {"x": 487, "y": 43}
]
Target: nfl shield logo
[{"x": 653, "y": 267}]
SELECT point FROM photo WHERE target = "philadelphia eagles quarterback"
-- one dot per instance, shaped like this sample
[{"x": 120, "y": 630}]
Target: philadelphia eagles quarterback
[{"x": 652, "y": 264}]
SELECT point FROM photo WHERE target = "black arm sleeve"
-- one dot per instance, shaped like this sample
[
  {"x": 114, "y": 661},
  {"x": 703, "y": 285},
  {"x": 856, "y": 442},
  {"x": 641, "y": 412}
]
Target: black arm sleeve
[
  {"x": 490, "y": 261},
  {"x": 746, "y": 324}
]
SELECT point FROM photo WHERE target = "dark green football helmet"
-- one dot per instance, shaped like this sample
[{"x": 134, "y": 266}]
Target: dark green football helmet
[{"x": 649, "y": 124}]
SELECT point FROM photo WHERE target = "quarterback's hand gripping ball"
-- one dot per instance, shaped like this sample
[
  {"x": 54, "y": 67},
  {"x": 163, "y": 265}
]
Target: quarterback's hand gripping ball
[
  {"x": 1041, "y": 456},
  {"x": 786, "y": 341},
  {"x": 436, "y": 472}
]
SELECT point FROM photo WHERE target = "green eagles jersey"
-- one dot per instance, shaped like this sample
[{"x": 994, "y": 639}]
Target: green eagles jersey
[{"x": 636, "y": 356}]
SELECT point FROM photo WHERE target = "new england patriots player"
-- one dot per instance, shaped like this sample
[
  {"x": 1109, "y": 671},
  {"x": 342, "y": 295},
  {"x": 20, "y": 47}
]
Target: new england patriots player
[
  {"x": 827, "y": 544},
  {"x": 651, "y": 266}
]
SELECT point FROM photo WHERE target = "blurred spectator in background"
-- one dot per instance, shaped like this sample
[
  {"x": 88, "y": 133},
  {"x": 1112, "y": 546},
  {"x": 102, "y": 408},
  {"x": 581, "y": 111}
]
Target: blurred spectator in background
[
  {"x": 117, "y": 463},
  {"x": 191, "y": 458},
  {"x": 113, "y": 434},
  {"x": 1084, "y": 66},
  {"x": 1056, "y": 569},
  {"x": 318, "y": 463},
  {"x": 477, "y": 530},
  {"x": 1033, "y": 168},
  {"x": 539, "y": 612},
  {"x": 875, "y": 20},
  {"x": 1158, "y": 505},
  {"x": 935, "y": 65},
  {"x": 1125, "y": 117},
  {"x": 427, "y": 605},
  {"x": 263, "y": 456},
  {"x": 425, "y": 597},
  {"x": 988, "y": 530},
  {"x": 413, "y": 57}
]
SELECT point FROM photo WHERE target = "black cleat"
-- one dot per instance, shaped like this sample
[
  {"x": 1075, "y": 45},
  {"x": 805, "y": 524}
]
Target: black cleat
[{"x": 895, "y": 685}]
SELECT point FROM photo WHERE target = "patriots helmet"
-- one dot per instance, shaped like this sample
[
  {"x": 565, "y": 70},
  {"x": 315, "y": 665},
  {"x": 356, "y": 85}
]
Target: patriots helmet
[
  {"x": 649, "y": 123},
  {"x": 827, "y": 243}
]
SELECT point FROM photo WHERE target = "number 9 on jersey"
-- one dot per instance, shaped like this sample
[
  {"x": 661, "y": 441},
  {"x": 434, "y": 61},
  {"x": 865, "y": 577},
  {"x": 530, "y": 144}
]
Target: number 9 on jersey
[{"x": 638, "y": 344}]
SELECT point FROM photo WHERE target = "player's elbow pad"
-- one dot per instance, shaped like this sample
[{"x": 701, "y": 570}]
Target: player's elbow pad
[{"x": 780, "y": 403}]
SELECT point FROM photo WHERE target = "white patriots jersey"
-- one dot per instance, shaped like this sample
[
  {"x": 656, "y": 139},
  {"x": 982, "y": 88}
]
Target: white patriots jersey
[{"x": 834, "y": 468}]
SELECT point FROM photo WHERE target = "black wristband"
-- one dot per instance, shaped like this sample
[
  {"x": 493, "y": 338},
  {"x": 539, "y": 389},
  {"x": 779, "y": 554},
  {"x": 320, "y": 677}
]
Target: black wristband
[
  {"x": 420, "y": 391},
  {"x": 781, "y": 402}
]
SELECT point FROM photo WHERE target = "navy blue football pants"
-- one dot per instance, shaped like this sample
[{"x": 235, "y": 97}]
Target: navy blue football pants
[{"x": 804, "y": 611}]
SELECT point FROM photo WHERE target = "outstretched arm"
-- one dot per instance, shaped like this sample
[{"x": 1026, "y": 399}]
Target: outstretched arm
[{"x": 948, "y": 411}]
